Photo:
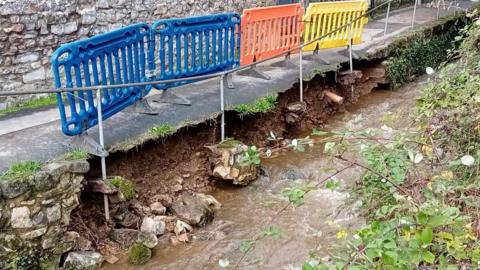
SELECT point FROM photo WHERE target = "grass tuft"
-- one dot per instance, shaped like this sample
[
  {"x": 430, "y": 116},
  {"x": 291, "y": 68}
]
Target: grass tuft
[
  {"x": 22, "y": 169},
  {"x": 76, "y": 154},
  {"x": 163, "y": 130},
  {"x": 262, "y": 105},
  {"x": 32, "y": 104}
]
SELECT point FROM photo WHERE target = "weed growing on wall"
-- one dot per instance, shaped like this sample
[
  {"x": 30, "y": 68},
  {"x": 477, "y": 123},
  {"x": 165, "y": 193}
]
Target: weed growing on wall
[
  {"x": 22, "y": 169},
  {"x": 420, "y": 52}
]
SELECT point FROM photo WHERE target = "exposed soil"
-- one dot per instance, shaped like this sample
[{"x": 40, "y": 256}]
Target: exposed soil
[{"x": 179, "y": 163}]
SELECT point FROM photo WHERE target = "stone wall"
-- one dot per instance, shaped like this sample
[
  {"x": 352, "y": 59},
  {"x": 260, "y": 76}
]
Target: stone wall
[
  {"x": 34, "y": 214},
  {"x": 30, "y": 30}
]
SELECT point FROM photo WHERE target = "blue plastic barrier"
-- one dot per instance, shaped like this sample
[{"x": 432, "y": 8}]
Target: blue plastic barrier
[
  {"x": 194, "y": 46},
  {"x": 116, "y": 57}
]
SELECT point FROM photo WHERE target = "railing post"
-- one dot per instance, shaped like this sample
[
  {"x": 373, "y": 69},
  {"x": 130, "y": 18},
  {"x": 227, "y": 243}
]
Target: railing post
[
  {"x": 102, "y": 158},
  {"x": 301, "y": 75},
  {"x": 414, "y": 12},
  {"x": 438, "y": 9},
  {"x": 386, "y": 19},
  {"x": 350, "y": 43},
  {"x": 222, "y": 108}
]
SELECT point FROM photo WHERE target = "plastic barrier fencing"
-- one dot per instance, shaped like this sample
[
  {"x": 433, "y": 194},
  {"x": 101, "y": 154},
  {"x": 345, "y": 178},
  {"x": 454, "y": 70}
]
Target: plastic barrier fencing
[
  {"x": 194, "y": 46},
  {"x": 322, "y": 18},
  {"x": 112, "y": 58},
  {"x": 269, "y": 31}
]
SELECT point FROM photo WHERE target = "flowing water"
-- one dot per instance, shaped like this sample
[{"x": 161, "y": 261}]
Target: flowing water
[{"x": 311, "y": 228}]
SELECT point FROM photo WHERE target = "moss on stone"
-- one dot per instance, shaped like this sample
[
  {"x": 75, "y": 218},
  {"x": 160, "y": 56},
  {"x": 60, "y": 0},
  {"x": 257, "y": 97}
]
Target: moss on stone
[
  {"x": 229, "y": 143},
  {"x": 125, "y": 186},
  {"x": 139, "y": 254}
]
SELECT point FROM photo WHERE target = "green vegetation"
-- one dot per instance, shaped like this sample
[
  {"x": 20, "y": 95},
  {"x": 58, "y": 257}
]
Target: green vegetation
[
  {"x": 125, "y": 186},
  {"x": 251, "y": 157},
  {"x": 296, "y": 193},
  {"x": 139, "y": 254},
  {"x": 32, "y": 104},
  {"x": 420, "y": 52},
  {"x": 163, "y": 130},
  {"x": 420, "y": 192},
  {"x": 271, "y": 231},
  {"x": 262, "y": 105},
  {"x": 21, "y": 170},
  {"x": 76, "y": 154}
]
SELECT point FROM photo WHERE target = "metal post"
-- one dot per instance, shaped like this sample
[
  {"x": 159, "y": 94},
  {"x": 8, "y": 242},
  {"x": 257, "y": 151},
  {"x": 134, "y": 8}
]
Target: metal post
[
  {"x": 438, "y": 9},
  {"x": 386, "y": 18},
  {"x": 350, "y": 43},
  {"x": 350, "y": 53},
  {"x": 301, "y": 75},
  {"x": 222, "y": 108},
  {"x": 414, "y": 12},
  {"x": 102, "y": 158}
]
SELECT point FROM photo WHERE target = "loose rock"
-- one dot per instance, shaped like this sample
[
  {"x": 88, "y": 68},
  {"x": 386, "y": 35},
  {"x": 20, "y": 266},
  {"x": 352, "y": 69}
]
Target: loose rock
[
  {"x": 147, "y": 239},
  {"x": 154, "y": 225},
  {"x": 125, "y": 237},
  {"x": 228, "y": 162},
  {"x": 158, "y": 208},
  {"x": 139, "y": 254},
  {"x": 192, "y": 209},
  {"x": 83, "y": 260}
]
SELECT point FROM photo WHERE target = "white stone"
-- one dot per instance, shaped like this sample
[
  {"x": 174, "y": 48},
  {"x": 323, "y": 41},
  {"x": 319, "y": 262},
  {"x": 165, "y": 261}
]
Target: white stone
[
  {"x": 27, "y": 57},
  {"x": 54, "y": 213},
  {"x": 20, "y": 218},
  {"x": 83, "y": 260},
  {"x": 64, "y": 29},
  {"x": 154, "y": 225},
  {"x": 34, "y": 234},
  {"x": 34, "y": 76}
]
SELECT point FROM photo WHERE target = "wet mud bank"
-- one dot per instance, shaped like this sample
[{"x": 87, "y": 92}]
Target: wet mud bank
[{"x": 171, "y": 167}]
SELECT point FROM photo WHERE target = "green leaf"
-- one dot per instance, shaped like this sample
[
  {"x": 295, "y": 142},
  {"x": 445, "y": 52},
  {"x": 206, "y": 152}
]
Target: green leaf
[
  {"x": 428, "y": 257},
  {"x": 422, "y": 218},
  {"x": 427, "y": 235},
  {"x": 307, "y": 266}
]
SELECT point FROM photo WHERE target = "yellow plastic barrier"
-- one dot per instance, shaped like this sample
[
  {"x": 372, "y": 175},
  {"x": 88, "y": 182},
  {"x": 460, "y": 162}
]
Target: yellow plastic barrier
[{"x": 321, "y": 18}]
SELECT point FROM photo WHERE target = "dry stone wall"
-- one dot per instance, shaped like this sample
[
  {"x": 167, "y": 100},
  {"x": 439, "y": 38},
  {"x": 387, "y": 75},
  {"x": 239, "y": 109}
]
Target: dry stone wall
[
  {"x": 30, "y": 30},
  {"x": 35, "y": 213}
]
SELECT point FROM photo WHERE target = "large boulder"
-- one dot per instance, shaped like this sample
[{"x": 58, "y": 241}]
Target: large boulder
[
  {"x": 230, "y": 160},
  {"x": 192, "y": 209},
  {"x": 83, "y": 260}
]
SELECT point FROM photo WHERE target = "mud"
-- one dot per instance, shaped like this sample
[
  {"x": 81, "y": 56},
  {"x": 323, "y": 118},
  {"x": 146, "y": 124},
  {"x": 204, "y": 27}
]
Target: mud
[{"x": 179, "y": 163}]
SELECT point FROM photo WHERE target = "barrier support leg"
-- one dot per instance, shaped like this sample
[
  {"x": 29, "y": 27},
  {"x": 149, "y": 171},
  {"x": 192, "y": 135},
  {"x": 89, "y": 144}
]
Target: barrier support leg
[
  {"x": 386, "y": 19},
  {"x": 253, "y": 71},
  {"x": 222, "y": 109},
  {"x": 102, "y": 159},
  {"x": 88, "y": 144},
  {"x": 171, "y": 98},
  {"x": 286, "y": 63},
  {"x": 315, "y": 56},
  {"x": 229, "y": 81},
  {"x": 142, "y": 106}
]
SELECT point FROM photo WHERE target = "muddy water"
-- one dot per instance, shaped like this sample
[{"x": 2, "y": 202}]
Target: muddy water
[{"x": 310, "y": 228}]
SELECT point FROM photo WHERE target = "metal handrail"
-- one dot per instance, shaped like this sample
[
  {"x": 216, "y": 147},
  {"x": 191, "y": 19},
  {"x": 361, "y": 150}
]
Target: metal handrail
[{"x": 200, "y": 77}]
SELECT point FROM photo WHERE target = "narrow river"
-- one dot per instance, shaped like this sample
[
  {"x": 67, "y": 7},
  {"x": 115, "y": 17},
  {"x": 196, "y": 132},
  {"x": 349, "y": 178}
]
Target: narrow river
[{"x": 308, "y": 229}]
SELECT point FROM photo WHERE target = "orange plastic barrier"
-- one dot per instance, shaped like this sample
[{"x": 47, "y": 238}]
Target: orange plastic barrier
[{"x": 268, "y": 31}]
